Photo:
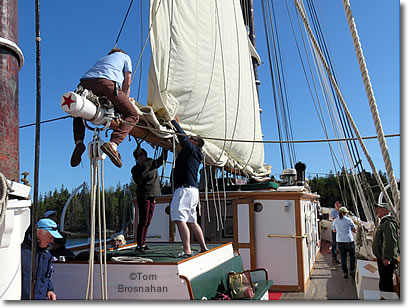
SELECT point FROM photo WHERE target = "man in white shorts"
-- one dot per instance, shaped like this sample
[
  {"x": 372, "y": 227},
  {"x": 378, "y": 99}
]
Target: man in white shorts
[{"x": 183, "y": 208}]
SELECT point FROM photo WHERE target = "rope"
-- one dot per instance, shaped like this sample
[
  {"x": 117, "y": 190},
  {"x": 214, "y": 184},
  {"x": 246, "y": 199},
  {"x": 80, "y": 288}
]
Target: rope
[
  {"x": 373, "y": 107},
  {"x": 97, "y": 187},
  {"x": 132, "y": 259},
  {"x": 368, "y": 157},
  {"x": 123, "y": 23},
  {"x": 4, "y": 188}
]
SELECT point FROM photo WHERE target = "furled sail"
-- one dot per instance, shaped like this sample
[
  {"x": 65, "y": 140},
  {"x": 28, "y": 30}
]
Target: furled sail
[{"x": 201, "y": 71}]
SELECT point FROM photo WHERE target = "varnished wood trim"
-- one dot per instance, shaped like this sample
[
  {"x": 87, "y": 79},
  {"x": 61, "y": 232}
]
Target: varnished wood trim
[
  {"x": 299, "y": 246},
  {"x": 284, "y": 288},
  {"x": 252, "y": 233},
  {"x": 254, "y": 195},
  {"x": 190, "y": 290},
  {"x": 235, "y": 223}
]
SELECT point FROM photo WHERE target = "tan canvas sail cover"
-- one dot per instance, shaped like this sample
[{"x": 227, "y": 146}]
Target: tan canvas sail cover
[{"x": 201, "y": 71}]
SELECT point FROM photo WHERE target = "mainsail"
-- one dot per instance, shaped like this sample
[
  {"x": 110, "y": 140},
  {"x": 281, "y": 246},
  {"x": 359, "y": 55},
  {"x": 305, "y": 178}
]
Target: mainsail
[{"x": 201, "y": 71}]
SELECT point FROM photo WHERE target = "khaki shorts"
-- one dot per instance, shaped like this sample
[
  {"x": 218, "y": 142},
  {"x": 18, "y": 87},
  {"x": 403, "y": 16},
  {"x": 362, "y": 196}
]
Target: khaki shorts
[{"x": 183, "y": 206}]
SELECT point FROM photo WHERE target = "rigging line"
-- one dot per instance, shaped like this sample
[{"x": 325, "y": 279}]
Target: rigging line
[
  {"x": 141, "y": 44},
  {"x": 273, "y": 84},
  {"x": 319, "y": 114},
  {"x": 285, "y": 99},
  {"x": 212, "y": 72},
  {"x": 147, "y": 38},
  {"x": 344, "y": 123},
  {"x": 224, "y": 82},
  {"x": 379, "y": 181},
  {"x": 239, "y": 81},
  {"x": 171, "y": 4},
  {"x": 123, "y": 23},
  {"x": 255, "y": 112},
  {"x": 373, "y": 106},
  {"x": 335, "y": 119},
  {"x": 46, "y": 121}
]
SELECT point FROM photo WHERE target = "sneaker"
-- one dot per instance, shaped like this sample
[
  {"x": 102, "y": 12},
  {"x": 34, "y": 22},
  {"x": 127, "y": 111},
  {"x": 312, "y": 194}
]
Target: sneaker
[
  {"x": 204, "y": 250},
  {"x": 76, "y": 155},
  {"x": 345, "y": 275},
  {"x": 114, "y": 155},
  {"x": 145, "y": 247},
  {"x": 140, "y": 249},
  {"x": 184, "y": 255}
]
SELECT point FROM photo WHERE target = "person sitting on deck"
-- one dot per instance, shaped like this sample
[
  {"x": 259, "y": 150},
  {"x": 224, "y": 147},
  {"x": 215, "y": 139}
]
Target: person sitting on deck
[
  {"x": 186, "y": 196},
  {"x": 344, "y": 226},
  {"x": 146, "y": 177},
  {"x": 117, "y": 241},
  {"x": 110, "y": 77}
]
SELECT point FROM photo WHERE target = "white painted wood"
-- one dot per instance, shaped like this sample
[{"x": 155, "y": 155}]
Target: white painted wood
[
  {"x": 377, "y": 295},
  {"x": 277, "y": 255},
  {"x": 12, "y": 232},
  {"x": 365, "y": 279},
  {"x": 246, "y": 257},
  {"x": 159, "y": 227},
  {"x": 19, "y": 190},
  {"x": 243, "y": 223}
]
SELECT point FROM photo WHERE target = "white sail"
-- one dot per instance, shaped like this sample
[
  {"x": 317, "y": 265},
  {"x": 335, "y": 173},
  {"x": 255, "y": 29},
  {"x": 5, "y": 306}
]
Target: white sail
[{"x": 201, "y": 71}]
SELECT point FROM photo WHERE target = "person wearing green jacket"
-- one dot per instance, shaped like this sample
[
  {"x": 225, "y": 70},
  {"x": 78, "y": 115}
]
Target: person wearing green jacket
[{"x": 386, "y": 246}]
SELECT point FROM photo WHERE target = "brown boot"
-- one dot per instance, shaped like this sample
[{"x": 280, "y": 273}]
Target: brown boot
[
  {"x": 76, "y": 155},
  {"x": 114, "y": 155}
]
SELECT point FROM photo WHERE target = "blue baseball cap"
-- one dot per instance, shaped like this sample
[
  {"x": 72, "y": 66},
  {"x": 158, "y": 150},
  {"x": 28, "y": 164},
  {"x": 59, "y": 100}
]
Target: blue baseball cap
[{"x": 49, "y": 225}]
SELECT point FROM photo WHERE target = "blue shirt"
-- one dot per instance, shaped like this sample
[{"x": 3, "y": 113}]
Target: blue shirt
[
  {"x": 334, "y": 214},
  {"x": 110, "y": 67},
  {"x": 344, "y": 229}
]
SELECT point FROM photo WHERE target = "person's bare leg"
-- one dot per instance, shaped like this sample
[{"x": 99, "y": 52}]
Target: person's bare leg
[
  {"x": 198, "y": 233},
  {"x": 185, "y": 235}
]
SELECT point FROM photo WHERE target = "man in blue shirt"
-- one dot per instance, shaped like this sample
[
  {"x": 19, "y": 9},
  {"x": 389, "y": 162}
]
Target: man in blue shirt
[
  {"x": 333, "y": 215},
  {"x": 186, "y": 196},
  {"x": 111, "y": 77}
]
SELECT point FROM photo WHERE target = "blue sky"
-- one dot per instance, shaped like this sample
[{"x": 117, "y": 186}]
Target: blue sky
[{"x": 75, "y": 33}]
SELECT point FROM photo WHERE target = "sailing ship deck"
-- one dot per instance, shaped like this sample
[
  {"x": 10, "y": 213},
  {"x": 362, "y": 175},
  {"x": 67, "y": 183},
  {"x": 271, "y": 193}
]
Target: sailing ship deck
[{"x": 326, "y": 281}]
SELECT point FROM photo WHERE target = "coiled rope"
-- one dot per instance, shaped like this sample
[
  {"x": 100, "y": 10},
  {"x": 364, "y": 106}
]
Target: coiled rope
[{"x": 4, "y": 188}]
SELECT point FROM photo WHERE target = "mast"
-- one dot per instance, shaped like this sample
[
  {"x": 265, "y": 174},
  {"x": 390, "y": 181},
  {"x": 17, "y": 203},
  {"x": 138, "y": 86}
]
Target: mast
[
  {"x": 248, "y": 14},
  {"x": 11, "y": 61}
]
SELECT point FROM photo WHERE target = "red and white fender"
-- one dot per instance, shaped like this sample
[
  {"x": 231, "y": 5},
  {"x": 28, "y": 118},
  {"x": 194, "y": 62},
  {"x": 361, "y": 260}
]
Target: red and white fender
[{"x": 79, "y": 106}]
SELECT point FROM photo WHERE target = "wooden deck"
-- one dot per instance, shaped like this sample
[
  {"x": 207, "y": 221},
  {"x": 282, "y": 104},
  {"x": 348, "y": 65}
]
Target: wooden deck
[{"x": 326, "y": 282}]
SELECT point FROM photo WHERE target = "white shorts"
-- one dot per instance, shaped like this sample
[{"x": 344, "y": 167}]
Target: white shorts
[{"x": 183, "y": 206}]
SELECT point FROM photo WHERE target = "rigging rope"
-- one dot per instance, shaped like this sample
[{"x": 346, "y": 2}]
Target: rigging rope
[
  {"x": 97, "y": 187},
  {"x": 313, "y": 39},
  {"x": 123, "y": 23},
  {"x": 373, "y": 107}
]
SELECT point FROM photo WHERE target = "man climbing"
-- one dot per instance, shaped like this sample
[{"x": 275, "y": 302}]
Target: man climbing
[
  {"x": 110, "y": 77},
  {"x": 146, "y": 177},
  {"x": 183, "y": 207}
]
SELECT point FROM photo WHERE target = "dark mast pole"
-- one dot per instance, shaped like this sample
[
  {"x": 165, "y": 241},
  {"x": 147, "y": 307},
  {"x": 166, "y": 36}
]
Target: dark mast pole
[
  {"x": 248, "y": 13},
  {"x": 37, "y": 147}
]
